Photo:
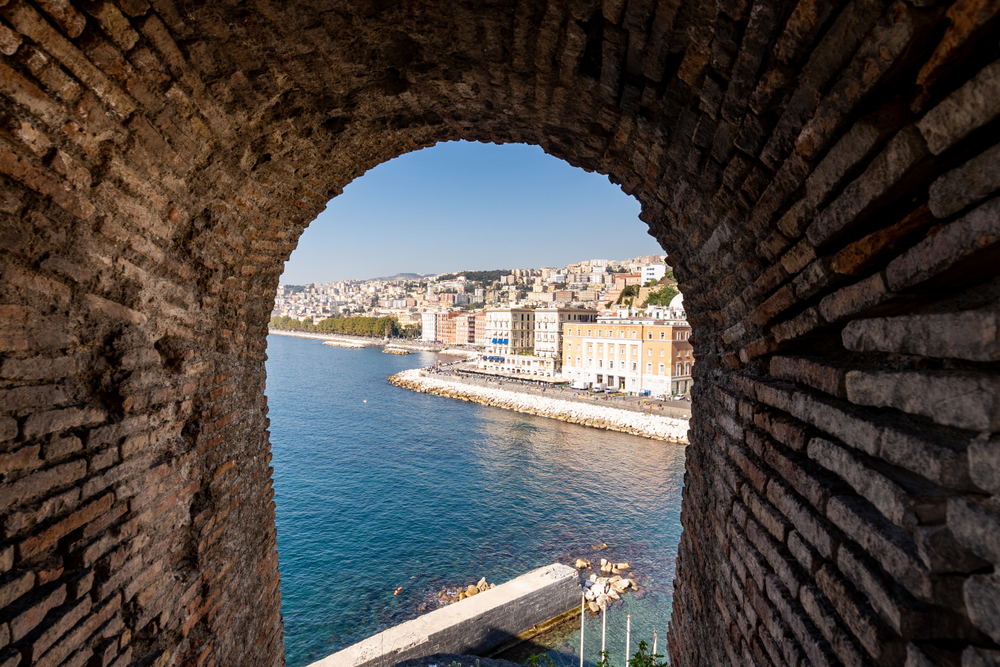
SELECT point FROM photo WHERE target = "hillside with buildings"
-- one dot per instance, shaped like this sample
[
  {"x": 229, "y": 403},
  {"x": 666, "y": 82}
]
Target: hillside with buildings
[{"x": 609, "y": 324}]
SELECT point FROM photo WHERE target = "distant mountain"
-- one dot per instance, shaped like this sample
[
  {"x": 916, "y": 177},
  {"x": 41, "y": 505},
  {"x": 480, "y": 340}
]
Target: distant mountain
[{"x": 405, "y": 276}]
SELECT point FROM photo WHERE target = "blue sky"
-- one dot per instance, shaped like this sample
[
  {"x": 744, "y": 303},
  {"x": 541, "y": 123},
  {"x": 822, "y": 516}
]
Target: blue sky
[{"x": 462, "y": 205}]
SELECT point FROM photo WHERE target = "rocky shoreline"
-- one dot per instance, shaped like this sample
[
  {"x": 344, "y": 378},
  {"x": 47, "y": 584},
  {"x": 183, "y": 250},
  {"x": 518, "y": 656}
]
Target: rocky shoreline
[{"x": 655, "y": 427}]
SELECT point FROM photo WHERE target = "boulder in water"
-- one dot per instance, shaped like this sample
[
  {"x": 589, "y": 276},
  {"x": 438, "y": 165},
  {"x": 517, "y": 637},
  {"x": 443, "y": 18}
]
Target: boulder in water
[
  {"x": 581, "y": 564},
  {"x": 471, "y": 590},
  {"x": 482, "y": 585}
]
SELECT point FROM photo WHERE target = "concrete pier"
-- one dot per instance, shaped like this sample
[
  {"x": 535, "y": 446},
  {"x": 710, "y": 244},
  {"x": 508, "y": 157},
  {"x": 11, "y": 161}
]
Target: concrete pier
[{"x": 472, "y": 626}]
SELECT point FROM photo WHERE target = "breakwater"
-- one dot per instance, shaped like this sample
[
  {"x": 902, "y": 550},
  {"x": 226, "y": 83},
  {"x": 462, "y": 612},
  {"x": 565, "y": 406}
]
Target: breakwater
[
  {"x": 480, "y": 623},
  {"x": 646, "y": 425}
]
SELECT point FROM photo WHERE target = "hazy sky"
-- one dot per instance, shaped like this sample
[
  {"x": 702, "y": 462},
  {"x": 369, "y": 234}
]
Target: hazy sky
[{"x": 462, "y": 205}]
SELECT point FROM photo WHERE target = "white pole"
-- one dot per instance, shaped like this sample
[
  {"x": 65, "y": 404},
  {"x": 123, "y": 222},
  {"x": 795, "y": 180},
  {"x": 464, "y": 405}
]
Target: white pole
[
  {"x": 654, "y": 641},
  {"x": 583, "y": 608},
  {"x": 604, "y": 627},
  {"x": 628, "y": 637}
]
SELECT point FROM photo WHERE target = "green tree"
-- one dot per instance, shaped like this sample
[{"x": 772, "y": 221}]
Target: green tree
[{"x": 662, "y": 296}]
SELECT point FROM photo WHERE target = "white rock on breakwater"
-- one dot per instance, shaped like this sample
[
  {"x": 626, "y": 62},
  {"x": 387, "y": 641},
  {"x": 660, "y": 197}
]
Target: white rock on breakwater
[{"x": 655, "y": 427}]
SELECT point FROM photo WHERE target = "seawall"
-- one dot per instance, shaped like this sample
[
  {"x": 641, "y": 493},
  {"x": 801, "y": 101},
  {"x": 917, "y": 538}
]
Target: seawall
[
  {"x": 474, "y": 625},
  {"x": 646, "y": 425},
  {"x": 375, "y": 342}
]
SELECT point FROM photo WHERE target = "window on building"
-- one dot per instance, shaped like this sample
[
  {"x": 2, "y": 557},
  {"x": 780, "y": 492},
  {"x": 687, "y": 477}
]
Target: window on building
[
  {"x": 633, "y": 335},
  {"x": 649, "y": 335},
  {"x": 649, "y": 353},
  {"x": 687, "y": 368},
  {"x": 621, "y": 333},
  {"x": 611, "y": 364},
  {"x": 649, "y": 367},
  {"x": 588, "y": 331},
  {"x": 577, "y": 361},
  {"x": 663, "y": 353},
  {"x": 600, "y": 333},
  {"x": 663, "y": 335},
  {"x": 623, "y": 349},
  {"x": 590, "y": 362},
  {"x": 635, "y": 365},
  {"x": 600, "y": 363},
  {"x": 680, "y": 366},
  {"x": 662, "y": 370}
]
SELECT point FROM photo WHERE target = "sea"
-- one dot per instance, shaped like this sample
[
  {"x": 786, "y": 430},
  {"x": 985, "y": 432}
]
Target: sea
[{"x": 386, "y": 497}]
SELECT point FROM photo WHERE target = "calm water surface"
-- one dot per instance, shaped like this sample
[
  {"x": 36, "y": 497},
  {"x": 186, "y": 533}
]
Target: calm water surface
[{"x": 379, "y": 487}]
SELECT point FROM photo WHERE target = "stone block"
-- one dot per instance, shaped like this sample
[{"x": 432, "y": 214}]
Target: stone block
[
  {"x": 41, "y": 483},
  {"x": 982, "y": 598},
  {"x": 973, "y": 105},
  {"x": 29, "y": 618},
  {"x": 806, "y": 321},
  {"x": 854, "y": 299},
  {"x": 976, "y": 526},
  {"x": 953, "y": 398},
  {"x": 970, "y": 334},
  {"x": 941, "y": 552},
  {"x": 43, "y": 423},
  {"x": 890, "y": 545},
  {"x": 854, "y": 613},
  {"x": 891, "y": 166},
  {"x": 984, "y": 463},
  {"x": 974, "y": 656},
  {"x": 950, "y": 247},
  {"x": 858, "y": 257},
  {"x": 788, "y": 431},
  {"x": 808, "y": 523},
  {"x": 966, "y": 184},
  {"x": 814, "y": 373}
]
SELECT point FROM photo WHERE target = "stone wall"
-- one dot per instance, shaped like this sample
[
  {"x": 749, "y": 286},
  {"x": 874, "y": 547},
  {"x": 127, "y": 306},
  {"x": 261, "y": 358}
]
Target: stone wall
[
  {"x": 824, "y": 176},
  {"x": 476, "y": 625}
]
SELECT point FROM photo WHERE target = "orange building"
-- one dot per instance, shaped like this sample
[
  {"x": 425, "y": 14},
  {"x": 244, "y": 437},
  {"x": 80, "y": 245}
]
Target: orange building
[{"x": 632, "y": 351}]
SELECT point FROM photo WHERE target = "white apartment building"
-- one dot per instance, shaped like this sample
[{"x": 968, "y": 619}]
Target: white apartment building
[
  {"x": 549, "y": 324},
  {"x": 428, "y": 327},
  {"x": 653, "y": 272}
]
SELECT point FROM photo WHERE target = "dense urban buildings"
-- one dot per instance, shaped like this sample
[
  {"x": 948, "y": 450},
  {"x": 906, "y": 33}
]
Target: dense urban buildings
[{"x": 529, "y": 323}]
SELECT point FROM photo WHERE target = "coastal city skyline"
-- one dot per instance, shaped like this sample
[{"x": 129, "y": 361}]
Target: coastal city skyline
[{"x": 486, "y": 205}]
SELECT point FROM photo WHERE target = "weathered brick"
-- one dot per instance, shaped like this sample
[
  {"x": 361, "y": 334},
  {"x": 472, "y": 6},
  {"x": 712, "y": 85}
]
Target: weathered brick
[
  {"x": 810, "y": 524},
  {"x": 982, "y": 597},
  {"x": 29, "y": 618},
  {"x": 950, "y": 247},
  {"x": 971, "y": 334},
  {"x": 898, "y": 158},
  {"x": 42, "y": 482},
  {"x": 865, "y": 626},
  {"x": 976, "y": 525},
  {"x": 43, "y": 540},
  {"x": 14, "y": 585},
  {"x": 855, "y": 298},
  {"x": 43, "y": 423},
  {"x": 967, "y": 184},
  {"x": 968, "y": 108},
  {"x": 893, "y": 547},
  {"x": 963, "y": 399}
]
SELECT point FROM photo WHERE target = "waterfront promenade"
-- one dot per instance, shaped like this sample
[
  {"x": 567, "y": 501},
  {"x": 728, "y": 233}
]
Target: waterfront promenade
[
  {"x": 402, "y": 343},
  {"x": 635, "y": 419}
]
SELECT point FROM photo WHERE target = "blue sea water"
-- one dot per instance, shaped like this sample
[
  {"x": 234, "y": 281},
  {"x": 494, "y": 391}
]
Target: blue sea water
[{"x": 379, "y": 487}]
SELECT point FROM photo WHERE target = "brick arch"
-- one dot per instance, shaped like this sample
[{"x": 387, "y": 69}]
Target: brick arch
[{"x": 823, "y": 176}]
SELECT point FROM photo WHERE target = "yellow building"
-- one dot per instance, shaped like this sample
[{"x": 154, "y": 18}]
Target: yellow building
[{"x": 632, "y": 351}]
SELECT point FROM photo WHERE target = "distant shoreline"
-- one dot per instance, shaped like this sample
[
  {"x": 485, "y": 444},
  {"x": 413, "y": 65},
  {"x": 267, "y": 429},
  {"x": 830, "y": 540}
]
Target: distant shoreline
[
  {"x": 655, "y": 427},
  {"x": 378, "y": 342}
]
